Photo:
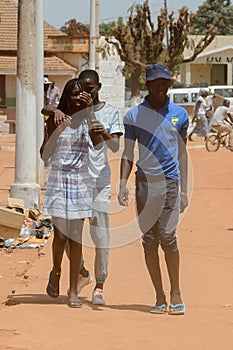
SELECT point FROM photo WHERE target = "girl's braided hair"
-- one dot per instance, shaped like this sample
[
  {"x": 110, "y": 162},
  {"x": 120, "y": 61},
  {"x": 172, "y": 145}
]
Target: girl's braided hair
[{"x": 70, "y": 85}]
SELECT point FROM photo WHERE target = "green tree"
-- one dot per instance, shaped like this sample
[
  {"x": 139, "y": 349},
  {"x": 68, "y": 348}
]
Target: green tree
[
  {"x": 217, "y": 13},
  {"x": 139, "y": 42},
  {"x": 105, "y": 29}
]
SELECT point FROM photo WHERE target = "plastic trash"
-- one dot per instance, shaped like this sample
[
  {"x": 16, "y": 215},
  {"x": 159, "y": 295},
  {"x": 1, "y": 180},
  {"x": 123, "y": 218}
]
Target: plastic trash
[
  {"x": 25, "y": 231},
  {"x": 8, "y": 242},
  {"x": 2, "y": 242}
]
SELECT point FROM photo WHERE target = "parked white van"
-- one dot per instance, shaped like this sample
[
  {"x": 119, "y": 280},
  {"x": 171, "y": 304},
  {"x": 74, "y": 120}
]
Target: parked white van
[{"x": 185, "y": 97}]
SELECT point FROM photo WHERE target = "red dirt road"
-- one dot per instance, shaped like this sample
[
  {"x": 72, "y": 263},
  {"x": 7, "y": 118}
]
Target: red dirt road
[{"x": 33, "y": 321}]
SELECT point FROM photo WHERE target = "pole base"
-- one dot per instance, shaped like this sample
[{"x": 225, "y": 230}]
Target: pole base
[{"x": 29, "y": 192}]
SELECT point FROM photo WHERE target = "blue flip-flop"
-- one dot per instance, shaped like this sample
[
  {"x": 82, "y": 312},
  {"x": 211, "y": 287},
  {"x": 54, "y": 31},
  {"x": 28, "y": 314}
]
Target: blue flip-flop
[
  {"x": 53, "y": 291},
  {"x": 159, "y": 309},
  {"x": 176, "y": 309},
  {"x": 75, "y": 303}
]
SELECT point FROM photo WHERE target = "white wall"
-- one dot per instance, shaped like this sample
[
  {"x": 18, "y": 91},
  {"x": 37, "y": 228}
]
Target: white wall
[{"x": 112, "y": 79}]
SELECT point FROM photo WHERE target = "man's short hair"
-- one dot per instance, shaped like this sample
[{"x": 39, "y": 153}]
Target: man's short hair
[
  {"x": 89, "y": 74},
  {"x": 203, "y": 92},
  {"x": 226, "y": 102}
]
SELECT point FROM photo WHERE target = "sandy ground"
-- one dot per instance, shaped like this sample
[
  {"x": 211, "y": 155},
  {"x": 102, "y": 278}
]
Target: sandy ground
[{"x": 30, "y": 320}]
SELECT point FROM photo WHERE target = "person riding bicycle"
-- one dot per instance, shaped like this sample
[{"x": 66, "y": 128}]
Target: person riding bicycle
[{"x": 222, "y": 121}]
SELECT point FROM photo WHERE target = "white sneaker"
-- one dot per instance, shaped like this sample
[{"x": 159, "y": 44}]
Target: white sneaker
[
  {"x": 83, "y": 281},
  {"x": 98, "y": 297}
]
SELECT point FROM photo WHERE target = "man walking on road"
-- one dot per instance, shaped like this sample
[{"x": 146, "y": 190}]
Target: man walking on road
[{"x": 160, "y": 127}]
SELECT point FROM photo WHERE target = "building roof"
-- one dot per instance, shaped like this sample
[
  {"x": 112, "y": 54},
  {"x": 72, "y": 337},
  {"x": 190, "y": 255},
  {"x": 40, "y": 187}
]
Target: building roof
[
  {"x": 9, "y": 23},
  {"x": 220, "y": 42},
  {"x": 216, "y": 51},
  {"x": 52, "y": 64}
]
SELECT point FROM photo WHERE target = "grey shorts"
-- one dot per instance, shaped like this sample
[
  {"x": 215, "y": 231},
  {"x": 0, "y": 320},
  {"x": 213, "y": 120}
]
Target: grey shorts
[{"x": 158, "y": 212}]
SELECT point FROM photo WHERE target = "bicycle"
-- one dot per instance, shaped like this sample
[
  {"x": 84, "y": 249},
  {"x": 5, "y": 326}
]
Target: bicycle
[{"x": 214, "y": 141}]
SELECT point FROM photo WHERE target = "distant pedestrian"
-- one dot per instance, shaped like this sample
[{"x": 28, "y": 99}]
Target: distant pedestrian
[
  {"x": 47, "y": 83},
  {"x": 201, "y": 128},
  {"x": 209, "y": 106},
  {"x": 53, "y": 94},
  {"x": 222, "y": 121}
]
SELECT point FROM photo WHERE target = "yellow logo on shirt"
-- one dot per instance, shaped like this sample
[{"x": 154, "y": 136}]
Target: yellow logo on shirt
[{"x": 174, "y": 120}]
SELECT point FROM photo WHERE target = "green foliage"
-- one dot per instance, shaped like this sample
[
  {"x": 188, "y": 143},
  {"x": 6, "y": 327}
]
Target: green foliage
[
  {"x": 217, "y": 13},
  {"x": 105, "y": 29}
]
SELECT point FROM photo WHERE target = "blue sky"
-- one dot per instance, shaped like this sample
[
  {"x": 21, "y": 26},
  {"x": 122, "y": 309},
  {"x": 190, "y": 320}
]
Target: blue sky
[{"x": 57, "y": 12}]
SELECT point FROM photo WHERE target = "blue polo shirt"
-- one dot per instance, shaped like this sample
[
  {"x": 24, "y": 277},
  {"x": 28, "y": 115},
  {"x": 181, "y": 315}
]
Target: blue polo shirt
[{"x": 157, "y": 133}]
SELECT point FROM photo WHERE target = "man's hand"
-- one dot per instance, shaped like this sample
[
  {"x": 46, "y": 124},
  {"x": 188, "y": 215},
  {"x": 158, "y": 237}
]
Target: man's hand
[
  {"x": 97, "y": 127},
  {"x": 86, "y": 97},
  {"x": 60, "y": 117},
  {"x": 123, "y": 196},
  {"x": 183, "y": 201},
  {"x": 64, "y": 124}
]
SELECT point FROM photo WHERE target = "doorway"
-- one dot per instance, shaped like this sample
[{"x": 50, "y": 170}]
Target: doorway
[
  {"x": 219, "y": 74},
  {"x": 2, "y": 91}
]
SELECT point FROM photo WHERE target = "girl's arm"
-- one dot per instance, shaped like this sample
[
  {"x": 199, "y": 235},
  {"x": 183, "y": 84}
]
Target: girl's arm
[
  {"x": 52, "y": 131},
  {"x": 50, "y": 145}
]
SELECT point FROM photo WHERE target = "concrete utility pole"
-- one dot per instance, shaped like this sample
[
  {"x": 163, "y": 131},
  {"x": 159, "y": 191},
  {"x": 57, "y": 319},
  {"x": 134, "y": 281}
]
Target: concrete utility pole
[
  {"x": 92, "y": 34},
  {"x": 97, "y": 35},
  {"x": 25, "y": 186},
  {"x": 39, "y": 88},
  {"x": 97, "y": 18},
  {"x": 166, "y": 29}
]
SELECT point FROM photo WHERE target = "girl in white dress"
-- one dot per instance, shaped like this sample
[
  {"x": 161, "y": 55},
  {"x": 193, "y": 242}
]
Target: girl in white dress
[{"x": 68, "y": 198}]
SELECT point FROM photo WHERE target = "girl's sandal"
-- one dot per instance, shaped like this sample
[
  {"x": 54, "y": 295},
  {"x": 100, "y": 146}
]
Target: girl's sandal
[
  {"x": 51, "y": 290},
  {"x": 75, "y": 303}
]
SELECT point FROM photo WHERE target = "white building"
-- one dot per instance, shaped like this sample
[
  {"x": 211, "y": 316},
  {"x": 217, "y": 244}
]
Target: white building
[{"x": 213, "y": 66}]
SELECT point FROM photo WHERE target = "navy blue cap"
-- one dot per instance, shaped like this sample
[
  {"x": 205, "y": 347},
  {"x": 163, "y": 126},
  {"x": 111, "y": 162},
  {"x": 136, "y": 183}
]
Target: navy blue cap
[{"x": 156, "y": 71}]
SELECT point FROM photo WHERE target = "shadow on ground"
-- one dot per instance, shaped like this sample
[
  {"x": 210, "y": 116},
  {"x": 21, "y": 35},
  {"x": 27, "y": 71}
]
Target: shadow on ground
[{"x": 18, "y": 299}]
